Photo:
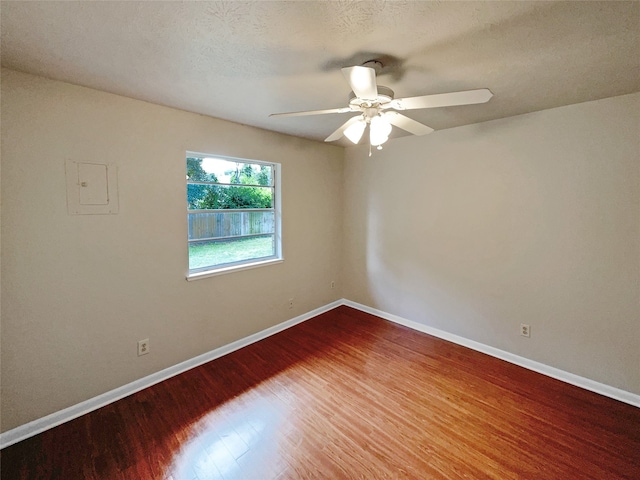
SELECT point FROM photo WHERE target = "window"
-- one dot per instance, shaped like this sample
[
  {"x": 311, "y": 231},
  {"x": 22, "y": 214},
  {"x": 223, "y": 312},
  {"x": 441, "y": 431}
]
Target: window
[{"x": 233, "y": 213}]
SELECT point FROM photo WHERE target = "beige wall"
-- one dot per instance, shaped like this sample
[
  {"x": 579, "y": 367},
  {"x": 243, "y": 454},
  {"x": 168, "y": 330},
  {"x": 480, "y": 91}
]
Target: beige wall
[
  {"x": 80, "y": 291},
  {"x": 532, "y": 219}
]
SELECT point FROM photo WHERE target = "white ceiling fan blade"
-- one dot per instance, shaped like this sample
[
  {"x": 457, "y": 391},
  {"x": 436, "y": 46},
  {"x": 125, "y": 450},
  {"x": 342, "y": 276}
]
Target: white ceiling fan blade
[
  {"x": 312, "y": 112},
  {"x": 467, "y": 97},
  {"x": 407, "y": 124},
  {"x": 340, "y": 131},
  {"x": 362, "y": 81}
]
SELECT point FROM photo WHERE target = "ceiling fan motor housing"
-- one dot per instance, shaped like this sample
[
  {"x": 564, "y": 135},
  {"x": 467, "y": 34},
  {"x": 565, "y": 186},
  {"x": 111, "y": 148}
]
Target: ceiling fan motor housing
[{"x": 385, "y": 95}]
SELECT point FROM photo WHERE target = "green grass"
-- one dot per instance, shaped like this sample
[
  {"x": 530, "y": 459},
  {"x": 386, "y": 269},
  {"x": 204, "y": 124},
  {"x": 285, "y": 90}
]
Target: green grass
[{"x": 217, "y": 253}]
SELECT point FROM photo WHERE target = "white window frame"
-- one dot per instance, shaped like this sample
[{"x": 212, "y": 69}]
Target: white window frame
[{"x": 213, "y": 270}]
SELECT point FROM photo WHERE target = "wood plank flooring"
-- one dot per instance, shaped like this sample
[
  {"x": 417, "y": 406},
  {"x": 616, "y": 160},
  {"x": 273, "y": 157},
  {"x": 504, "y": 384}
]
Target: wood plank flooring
[{"x": 344, "y": 395}]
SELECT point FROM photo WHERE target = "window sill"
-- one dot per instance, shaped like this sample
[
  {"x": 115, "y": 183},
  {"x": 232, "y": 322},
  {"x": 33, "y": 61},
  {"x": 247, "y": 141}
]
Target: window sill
[{"x": 235, "y": 268}]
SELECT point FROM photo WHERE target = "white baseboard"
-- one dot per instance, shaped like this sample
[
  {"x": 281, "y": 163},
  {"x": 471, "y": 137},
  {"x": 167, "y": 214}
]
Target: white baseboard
[
  {"x": 53, "y": 420},
  {"x": 45, "y": 423},
  {"x": 578, "y": 381}
]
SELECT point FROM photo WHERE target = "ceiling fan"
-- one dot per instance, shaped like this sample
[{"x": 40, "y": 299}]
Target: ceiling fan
[{"x": 377, "y": 107}]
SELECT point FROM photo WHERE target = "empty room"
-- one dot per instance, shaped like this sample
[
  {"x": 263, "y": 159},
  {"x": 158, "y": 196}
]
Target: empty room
[{"x": 265, "y": 240}]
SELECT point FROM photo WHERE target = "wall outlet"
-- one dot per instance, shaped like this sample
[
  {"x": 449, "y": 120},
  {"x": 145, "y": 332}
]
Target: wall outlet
[
  {"x": 143, "y": 347},
  {"x": 290, "y": 303},
  {"x": 525, "y": 330},
  {"x": 333, "y": 284}
]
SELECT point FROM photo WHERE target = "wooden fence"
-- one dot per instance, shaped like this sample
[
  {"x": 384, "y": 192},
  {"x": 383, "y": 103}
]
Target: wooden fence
[{"x": 220, "y": 224}]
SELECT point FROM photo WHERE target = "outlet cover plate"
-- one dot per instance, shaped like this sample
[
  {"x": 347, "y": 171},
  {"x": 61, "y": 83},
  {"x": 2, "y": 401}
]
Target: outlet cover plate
[{"x": 143, "y": 347}]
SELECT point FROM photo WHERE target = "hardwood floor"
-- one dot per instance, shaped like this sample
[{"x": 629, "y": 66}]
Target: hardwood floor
[{"x": 344, "y": 395}]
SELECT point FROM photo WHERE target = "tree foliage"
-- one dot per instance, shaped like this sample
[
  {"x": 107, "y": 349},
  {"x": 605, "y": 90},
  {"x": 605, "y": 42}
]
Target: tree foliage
[{"x": 242, "y": 194}]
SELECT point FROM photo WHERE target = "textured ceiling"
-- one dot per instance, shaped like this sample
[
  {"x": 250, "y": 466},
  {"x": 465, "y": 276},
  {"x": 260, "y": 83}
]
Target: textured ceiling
[{"x": 241, "y": 61}]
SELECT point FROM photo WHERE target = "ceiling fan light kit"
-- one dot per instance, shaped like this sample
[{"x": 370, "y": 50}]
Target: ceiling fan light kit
[
  {"x": 380, "y": 128},
  {"x": 354, "y": 131},
  {"x": 377, "y": 107}
]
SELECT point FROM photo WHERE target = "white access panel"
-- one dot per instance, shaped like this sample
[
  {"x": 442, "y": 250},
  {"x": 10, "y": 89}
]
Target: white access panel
[{"x": 92, "y": 188}]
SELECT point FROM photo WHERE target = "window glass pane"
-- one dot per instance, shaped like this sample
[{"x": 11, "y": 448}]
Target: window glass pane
[
  {"x": 210, "y": 169},
  {"x": 231, "y": 211},
  {"x": 229, "y": 224},
  {"x": 195, "y": 172},
  {"x": 218, "y": 252},
  {"x": 215, "y": 197}
]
